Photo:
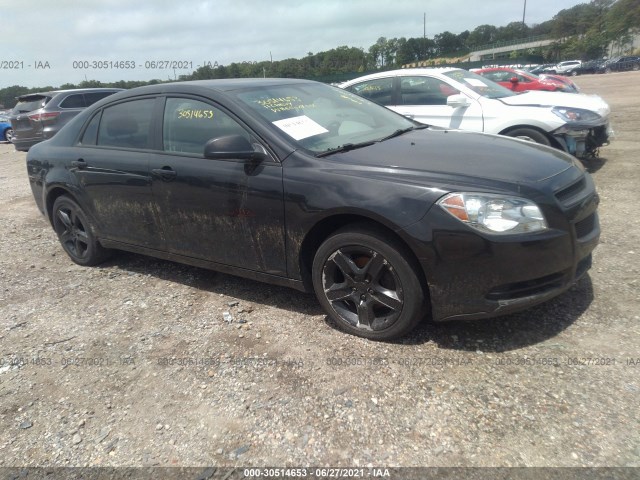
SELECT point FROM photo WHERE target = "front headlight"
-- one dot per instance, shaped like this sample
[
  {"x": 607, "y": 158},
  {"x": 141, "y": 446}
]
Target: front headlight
[
  {"x": 494, "y": 213},
  {"x": 577, "y": 115}
]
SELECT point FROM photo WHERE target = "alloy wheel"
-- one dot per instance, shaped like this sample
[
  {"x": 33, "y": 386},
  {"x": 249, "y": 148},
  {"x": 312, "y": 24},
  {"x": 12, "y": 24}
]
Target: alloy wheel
[{"x": 363, "y": 288}]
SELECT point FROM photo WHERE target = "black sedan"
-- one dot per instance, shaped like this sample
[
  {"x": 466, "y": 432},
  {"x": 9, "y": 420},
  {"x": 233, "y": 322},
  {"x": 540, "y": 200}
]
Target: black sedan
[
  {"x": 592, "y": 66},
  {"x": 301, "y": 184}
]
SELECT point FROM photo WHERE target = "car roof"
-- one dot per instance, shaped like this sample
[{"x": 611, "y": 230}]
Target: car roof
[
  {"x": 405, "y": 72},
  {"x": 220, "y": 85},
  {"x": 74, "y": 90},
  {"x": 492, "y": 69}
]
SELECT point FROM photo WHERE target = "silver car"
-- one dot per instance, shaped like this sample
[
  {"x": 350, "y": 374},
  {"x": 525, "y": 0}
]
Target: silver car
[{"x": 39, "y": 116}]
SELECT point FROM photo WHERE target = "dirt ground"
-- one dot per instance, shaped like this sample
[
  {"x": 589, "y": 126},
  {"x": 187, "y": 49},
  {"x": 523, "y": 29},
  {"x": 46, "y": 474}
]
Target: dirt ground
[{"x": 133, "y": 363}]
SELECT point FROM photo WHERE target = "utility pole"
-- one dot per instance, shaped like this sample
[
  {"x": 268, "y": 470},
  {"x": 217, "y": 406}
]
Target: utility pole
[
  {"x": 424, "y": 36},
  {"x": 524, "y": 11}
]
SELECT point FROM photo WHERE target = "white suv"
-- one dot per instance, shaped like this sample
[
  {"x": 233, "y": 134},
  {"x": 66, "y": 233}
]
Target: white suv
[
  {"x": 457, "y": 99},
  {"x": 564, "y": 67}
]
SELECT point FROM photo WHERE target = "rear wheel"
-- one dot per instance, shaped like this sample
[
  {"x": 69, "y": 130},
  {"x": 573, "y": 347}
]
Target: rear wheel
[
  {"x": 8, "y": 135},
  {"x": 75, "y": 233},
  {"x": 530, "y": 135},
  {"x": 366, "y": 283}
]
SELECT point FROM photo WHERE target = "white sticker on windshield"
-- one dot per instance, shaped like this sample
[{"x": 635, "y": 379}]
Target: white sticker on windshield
[
  {"x": 300, "y": 127},
  {"x": 475, "y": 82}
]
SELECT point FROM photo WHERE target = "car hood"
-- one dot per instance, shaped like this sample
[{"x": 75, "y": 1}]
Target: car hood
[
  {"x": 445, "y": 153},
  {"x": 536, "y": 98}
]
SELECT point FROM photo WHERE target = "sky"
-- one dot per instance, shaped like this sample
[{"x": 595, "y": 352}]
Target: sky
[{"x": 67, "y": 41}]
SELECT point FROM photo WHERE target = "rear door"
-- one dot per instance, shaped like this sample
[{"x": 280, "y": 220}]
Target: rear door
[
  {"x": 67, "y": 108},
  {"x": 112, "y": 165}
]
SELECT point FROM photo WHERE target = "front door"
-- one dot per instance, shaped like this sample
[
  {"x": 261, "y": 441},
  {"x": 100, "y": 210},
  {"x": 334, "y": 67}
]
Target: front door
[
  {"x": 424, "y": 99},
  {"x": 227, "y": 211}
]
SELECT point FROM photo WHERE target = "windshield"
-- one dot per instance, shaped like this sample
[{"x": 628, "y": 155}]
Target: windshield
[
  {"x": 479, "y": 84},
  {"x": 527, "y": 74},
  {"x": 321, "y": 118}
]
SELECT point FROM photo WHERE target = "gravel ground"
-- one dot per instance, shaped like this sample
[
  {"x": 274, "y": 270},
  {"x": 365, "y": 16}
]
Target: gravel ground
[{"x": 142, "y": 362}]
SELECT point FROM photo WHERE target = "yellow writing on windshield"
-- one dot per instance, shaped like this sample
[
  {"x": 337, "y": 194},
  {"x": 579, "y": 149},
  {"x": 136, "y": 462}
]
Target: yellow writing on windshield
[
  {"x": 283, "y": 104},
  {"x": 352, "y": 99}
]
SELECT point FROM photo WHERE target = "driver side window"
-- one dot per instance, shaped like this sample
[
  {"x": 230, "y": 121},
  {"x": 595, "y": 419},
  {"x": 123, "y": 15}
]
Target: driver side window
[{"x": 189, "y": 124}]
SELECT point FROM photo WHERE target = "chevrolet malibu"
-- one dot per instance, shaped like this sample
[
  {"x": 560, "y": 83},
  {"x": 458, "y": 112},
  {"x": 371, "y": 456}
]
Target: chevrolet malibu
[{"x": 301, "y": 184}]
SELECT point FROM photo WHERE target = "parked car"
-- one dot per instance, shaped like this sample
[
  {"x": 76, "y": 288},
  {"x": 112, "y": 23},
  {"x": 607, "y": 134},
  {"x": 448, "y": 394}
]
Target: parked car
[
  {"x": 520, "y": 81},
  {"x": 620, "y": 64},
  {"x": 455, "y": 98},
  {"x": 538, "y": 69},
  {"x": 39, "y": 116},
  {"x": 301, "y": 184},
  {"x": 6, "y": 132},
  {"x": 592, "y": 66},
  {"x": 563, "y": 67}
]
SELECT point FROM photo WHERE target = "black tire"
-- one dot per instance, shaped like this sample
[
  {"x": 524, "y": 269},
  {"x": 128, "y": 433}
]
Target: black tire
[
  {"x": 530, "y": 135},
  {"x": 366, "y": 283},
  {"x": 76, "y": 234},
  {"x": 607, "y": 70},
  {"x": 8, "y": 135},
  {"x": 574, "y": 73}
]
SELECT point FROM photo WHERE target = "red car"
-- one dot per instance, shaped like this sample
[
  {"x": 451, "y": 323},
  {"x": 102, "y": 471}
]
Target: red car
[{"x": 519, "y": 80}]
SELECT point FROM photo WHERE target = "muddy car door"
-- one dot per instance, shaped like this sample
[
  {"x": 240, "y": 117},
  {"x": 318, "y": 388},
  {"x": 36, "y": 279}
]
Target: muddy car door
[
  {"x": 111, "y": 163},
  {"x": 224, "y": 210}
]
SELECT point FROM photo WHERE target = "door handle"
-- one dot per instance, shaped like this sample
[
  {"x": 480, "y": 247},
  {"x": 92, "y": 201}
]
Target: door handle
[
  {"x": 80, "y": 164},
  {"x": 165, "y": 173}
]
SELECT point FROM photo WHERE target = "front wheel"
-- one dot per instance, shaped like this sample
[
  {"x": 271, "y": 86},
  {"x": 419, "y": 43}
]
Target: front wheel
[
  {"x": 366, "y": 283},
  {"x": 530, "y": 135},
  {"x": 75, "y": 233},
  {"x": 8, "y": 135}
]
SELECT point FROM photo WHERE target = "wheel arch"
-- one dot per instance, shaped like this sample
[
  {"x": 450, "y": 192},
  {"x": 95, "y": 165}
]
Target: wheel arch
[
  {"x": 551, "y": 138},
  {"x": 52, "y": 196},
  {"x": 329, "y": 225}
]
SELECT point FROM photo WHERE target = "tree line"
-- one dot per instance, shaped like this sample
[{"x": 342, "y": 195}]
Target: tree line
[{"x": 584, "y": 31}]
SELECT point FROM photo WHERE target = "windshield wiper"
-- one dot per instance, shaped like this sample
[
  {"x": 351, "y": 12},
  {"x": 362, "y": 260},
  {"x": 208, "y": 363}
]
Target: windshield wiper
[
  {"x": 402, "y": 131},
  {"x": 345, "y": 148}
]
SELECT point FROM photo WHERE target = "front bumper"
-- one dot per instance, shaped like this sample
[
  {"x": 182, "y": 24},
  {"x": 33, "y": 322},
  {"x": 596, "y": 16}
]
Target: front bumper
[
  {"x": 583, "y": 141},
  {"x": 473, "y": 275}
]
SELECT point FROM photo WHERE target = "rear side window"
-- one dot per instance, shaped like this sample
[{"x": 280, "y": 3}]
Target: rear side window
[
  {"x": 379, "y": 91},
  {"x": 126, "y": 125},
  {"x": 75, "y": 100},
  {"x": 93, "y": 97},
  {"x": 90, "y": 134}
]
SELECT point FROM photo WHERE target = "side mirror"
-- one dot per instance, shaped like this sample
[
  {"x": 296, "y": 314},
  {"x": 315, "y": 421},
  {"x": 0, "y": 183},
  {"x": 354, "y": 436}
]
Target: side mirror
[
  {"x": 514, "y": 80},
  {"x": 458, "y": 100},
  {"x": 232, "y": 147}
]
